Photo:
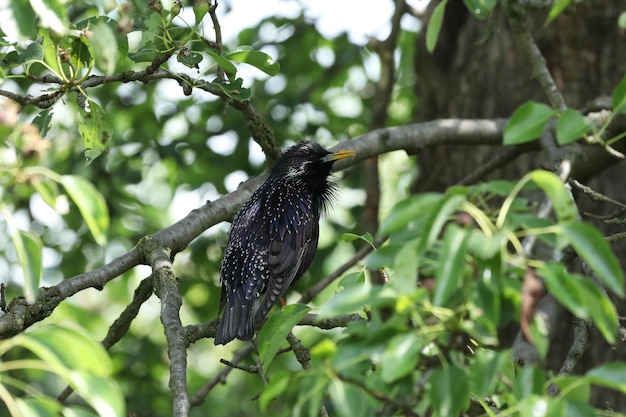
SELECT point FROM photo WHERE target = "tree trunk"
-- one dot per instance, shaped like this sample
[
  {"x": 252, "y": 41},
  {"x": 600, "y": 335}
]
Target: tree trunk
[{"x": 478, "y": 71}]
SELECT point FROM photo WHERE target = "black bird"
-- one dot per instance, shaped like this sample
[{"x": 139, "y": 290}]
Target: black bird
[{"x": 274, "y": 236}]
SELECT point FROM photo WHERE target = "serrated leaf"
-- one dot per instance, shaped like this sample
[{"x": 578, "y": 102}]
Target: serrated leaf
[
  {"x": 90, "y": 203},
  {"x": 257, "y": 59},
  {"x": 571, "y": 126},
  {"x": 552, "y": 185},
  {"x": 619, "y": 97},
  {"x": 276, "y": 329},
  {"x": 96, "y": 131},
  {"x": 596, "y": 252},
  {"x": 527, "y": 123},
  {"x": 434, "y": 26}
]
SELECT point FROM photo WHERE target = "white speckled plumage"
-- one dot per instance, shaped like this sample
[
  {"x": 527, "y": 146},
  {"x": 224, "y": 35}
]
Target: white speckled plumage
[{"x": 274, "y": 237}]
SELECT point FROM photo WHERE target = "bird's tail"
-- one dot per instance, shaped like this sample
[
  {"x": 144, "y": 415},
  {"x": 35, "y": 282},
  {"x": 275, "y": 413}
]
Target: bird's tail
[{"x": 237, "y": 322}]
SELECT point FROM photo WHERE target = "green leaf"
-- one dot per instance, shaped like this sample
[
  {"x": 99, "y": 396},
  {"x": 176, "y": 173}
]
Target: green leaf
[
  {"x": 32, "y": 53},
  {"x": 90, "y": 203},
  {"x": 223, "y": 62},
  {"x": 353, "y": 299},
  {"x": 440, "y": 214},
  {"x": 104, "y": 395},
  {"x": 352, "y": 280},
  {"x": 96, "y": 131},
  {"x": 434, "y": 26},
  {"x": 449, "y": 273},
  {"x": 276, "y": 329},
  {"x": 557, "y": 8},
  {"x": 541, "y": 406},
  {"x": 596, "y": 252},
  {"x": 527, "y": 123},
  {"x": 480, "y": 8},
  {"x": 582, "y": 297},
  {"x": 571, "y": 126},
  {"x": 405, "y": 268},
  {"x": 367, "y": 237},
  {"x": 401, "y": 356},
  {"x": 104, "y": 47},
  {"x": 274, "y": 389},
  {"x": 200, "y": 9},
  {"x": 621, "y": 20},
  {"x": 28, "y": 247},
  {"x": 39, "y": 407},
  {"x": 619, "y": 97},
  {"x": 486, "y": 371},
  {"x": 257, "y": 59},
  {"x": 47, "y": 189},
  {"x": 575, "y": 388},
  {"x": 406, "y": 212},
  {"x": 43, "y": 120},
  {"x": 52, "y": 14},
  {"x": 347, "y": 400},
  {"x": 530, "y": 380},
  {"x": 611, "y": 375},
  {"x": 562, "y": 202},
  {"x": 449, "y": 392},
  {"x": 19, "y": 15}
]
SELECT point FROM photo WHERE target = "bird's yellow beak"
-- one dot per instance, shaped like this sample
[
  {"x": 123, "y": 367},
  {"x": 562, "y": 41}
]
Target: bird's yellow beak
[{"x": 338, "y": 155}]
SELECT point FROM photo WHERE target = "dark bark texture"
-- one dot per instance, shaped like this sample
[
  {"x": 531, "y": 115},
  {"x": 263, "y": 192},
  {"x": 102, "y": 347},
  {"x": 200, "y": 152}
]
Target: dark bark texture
[{"x": 478, "y": 71}]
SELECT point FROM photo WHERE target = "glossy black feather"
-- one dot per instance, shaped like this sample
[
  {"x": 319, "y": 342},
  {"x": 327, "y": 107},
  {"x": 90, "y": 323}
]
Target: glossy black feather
[{"x": 274, "y": 238}]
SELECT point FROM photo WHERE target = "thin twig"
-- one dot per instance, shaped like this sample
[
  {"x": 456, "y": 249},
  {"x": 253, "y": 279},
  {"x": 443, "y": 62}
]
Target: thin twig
[{"x": 575, "y": 353}]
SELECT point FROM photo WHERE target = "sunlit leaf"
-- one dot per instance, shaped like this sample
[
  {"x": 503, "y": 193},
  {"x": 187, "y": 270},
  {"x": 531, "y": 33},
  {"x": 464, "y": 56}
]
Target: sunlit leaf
[
  {"x": 557, "y": 8},
  {"x": 52, "y": 14},
  {"x": 90, "y": 203},
  {"x": 19, "y": 19},
  {"x": 257, "y": 59},
  {"x": 401, "y": 356},
  {"x": 104, "y": 47},
  {"x": 562, "y": 202},
  {"x": 96, "y": 131}
]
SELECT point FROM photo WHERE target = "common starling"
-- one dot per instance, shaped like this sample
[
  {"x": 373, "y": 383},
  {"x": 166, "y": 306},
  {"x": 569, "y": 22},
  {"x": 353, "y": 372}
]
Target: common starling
[{"x": 274, "y": 236}]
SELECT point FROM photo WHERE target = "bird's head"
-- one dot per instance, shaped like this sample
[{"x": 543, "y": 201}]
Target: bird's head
[{"x": 308, "y": 161}]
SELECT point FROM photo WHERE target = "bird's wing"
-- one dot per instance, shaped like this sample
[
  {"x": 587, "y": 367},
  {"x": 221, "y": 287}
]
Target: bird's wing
[{"x": 292, "y": 246}]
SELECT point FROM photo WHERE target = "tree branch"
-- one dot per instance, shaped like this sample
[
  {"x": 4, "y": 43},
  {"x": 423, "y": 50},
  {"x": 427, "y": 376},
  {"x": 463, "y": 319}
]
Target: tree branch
[
  {"x": 166, "y": 288},
  {"x": 411, "y": 138}
]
